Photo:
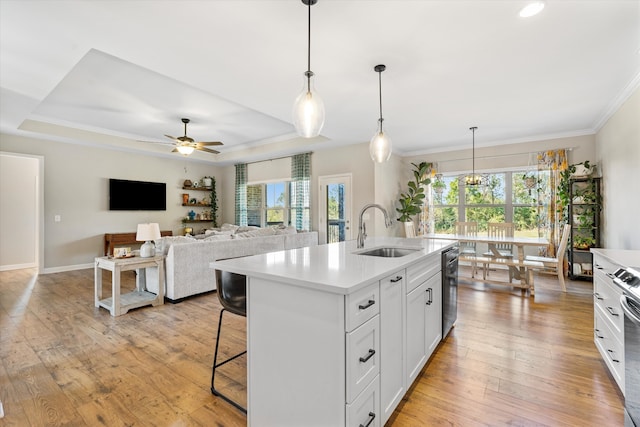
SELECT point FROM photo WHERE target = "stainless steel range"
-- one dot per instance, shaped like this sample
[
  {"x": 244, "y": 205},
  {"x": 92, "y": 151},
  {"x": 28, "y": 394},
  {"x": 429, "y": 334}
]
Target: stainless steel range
[{"x": 629, "y": 280}]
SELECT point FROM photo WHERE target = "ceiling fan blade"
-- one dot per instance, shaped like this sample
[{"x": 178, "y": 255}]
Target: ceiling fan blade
[
  {"x": 156, "y": 142},
  {"x": 209, "y": 143},
  {"x": 172, "y": 137},
  {"x": 175, "y": 150},
  {"x": 207, "y": 150}
]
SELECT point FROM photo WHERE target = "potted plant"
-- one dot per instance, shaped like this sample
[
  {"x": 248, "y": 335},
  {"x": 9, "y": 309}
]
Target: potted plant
[
  {"x": 213, "y": 201},
  {"x": 411, "y": 201},
  {"x": 563, "y": 189},
  {"x": 438, "y": 185}
]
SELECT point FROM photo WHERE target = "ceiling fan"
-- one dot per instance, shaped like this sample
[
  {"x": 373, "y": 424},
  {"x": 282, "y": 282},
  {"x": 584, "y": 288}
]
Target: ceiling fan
[{"x": 186, "y": 145}]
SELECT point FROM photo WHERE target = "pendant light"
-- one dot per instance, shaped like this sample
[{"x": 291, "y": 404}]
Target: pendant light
[
  {"x": 308, "y": 109},
  {"x": 473, "y": 180},
  {"x": 380, "y": 146}
]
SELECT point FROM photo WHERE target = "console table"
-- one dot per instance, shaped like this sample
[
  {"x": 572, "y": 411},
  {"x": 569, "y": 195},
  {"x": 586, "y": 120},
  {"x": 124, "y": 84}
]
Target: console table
[
  {"x": 113, "y": 239},
  {"x": 120, "y": 304}
]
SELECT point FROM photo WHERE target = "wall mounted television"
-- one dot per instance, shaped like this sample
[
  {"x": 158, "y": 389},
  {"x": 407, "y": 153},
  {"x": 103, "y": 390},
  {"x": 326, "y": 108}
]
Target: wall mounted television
[{"x": 125, "y": 195}]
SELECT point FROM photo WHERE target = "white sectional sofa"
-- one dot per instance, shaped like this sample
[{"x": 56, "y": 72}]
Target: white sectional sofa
[{"x": 187, "y": 259}]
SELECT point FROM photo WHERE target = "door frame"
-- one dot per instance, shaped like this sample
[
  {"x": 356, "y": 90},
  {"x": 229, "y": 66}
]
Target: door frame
[{"x": 323, "y": 181}]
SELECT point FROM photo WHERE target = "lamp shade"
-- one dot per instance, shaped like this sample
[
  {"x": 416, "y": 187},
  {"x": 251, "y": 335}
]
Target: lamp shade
[
  {"x": 308, "y": 110},
  {"x": 185, "y": 149},
  {"x": 148, "y": 232},
  {"x": 380, "y": 147}
]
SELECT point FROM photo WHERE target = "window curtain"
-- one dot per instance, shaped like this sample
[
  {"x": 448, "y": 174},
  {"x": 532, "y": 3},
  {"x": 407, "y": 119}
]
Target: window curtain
[
  {"x": 301, "y": 184},
  {"x": 241, "y": 194},
  {"x": 551, "y": 163}
]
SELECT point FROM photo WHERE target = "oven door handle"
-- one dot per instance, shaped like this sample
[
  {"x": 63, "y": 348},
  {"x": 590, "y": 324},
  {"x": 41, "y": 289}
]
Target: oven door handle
[{"x": 628, "y": 311}]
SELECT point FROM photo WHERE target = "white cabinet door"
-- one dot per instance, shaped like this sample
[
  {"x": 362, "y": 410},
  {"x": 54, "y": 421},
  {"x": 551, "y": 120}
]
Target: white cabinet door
[
  {"x": 416, "y": 333},
  {"x": 433, "y": 316},
  {"x": 392, "y": 293}
]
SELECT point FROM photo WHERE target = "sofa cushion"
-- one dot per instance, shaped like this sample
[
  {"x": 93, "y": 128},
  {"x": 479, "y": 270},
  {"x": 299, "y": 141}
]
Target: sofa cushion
[
  {"x": 245, "y": 228},
  {"x": 285, "y": 230},
  {"x": 227, "y": 226},
  {"x": 164, "y": 243},
  {"x": 260, "y": 232},
  {"x": 217, "y": 237}
]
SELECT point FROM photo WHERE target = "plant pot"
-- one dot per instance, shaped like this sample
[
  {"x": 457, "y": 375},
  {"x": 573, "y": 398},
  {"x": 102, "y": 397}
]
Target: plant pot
[
  {"x": 409, "y": 229},
  {"x": 207, "y": 182}
]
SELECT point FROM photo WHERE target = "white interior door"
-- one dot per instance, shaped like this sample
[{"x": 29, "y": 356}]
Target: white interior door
[{"x": 334, "y": 208}]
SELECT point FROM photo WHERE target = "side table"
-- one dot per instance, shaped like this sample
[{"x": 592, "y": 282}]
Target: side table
[{"x": 120, "y": 304}]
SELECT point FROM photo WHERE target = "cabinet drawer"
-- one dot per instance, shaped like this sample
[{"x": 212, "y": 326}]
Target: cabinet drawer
[
  {"x": 363, "y": 357},
  {"x": 602, "y": 264},
  {"x": 362, "y": 306},
  {"x": 420, "y": 272},
  {"x": 606, "y": 295},
  {"x": 610, "y": 345},
  {"x": 364, "y": 411}
]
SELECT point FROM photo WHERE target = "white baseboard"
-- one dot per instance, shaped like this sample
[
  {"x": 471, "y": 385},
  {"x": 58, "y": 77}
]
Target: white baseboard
[
  {"x": 64, "y": 268},
  {"x": 17, "y": 266}
]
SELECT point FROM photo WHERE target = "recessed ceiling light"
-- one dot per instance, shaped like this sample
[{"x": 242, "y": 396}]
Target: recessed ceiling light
[{"x": 531, "y": 9}]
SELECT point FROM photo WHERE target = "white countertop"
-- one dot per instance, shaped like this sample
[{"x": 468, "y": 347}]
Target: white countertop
[
  {"x": 333, "y": 267},
  {"x": 622, "y": 257}
]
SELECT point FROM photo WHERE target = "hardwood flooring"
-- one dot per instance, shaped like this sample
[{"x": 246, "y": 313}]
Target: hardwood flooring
[{"x": 510, "y": 360}]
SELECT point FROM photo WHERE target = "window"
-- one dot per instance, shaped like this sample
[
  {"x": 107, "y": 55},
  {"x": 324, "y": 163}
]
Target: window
[
  {"x": 504, "y": 198},
  {"x": 275, "y": 204}
]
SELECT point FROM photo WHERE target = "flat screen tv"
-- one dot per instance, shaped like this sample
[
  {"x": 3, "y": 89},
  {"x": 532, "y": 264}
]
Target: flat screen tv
[{"x": 125, "y": 195}]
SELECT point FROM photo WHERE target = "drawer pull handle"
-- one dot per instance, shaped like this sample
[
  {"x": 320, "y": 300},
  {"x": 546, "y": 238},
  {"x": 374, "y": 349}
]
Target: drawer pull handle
[
  {"x": 397, "y": 279},
  {"x": 610, "y": 276},
  {"x": 368, "y": 356},
  {"x": 430, "y": 291},
  {"x": 597, "y": 295},
  {"x": 612, "y": 353},
  {"x": 367, "y": 305},
  {"x": 610, "y": 310},
  {"x": 597, "y": 331},
  {"x": 372, "y": 416}
]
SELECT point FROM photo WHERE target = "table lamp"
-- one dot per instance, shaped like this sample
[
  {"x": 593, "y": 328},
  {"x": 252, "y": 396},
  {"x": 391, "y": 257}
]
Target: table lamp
[{"x": 146, "y": 233}]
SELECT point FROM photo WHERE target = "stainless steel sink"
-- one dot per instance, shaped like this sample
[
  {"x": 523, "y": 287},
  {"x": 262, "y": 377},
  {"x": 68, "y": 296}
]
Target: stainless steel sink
[{"x": 388, "y": 252}]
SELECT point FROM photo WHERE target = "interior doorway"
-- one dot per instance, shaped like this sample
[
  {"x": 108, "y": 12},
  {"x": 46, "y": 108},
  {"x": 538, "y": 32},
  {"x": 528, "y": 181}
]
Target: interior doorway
[
  {"x": 21, "y": 211},
  {"x": 334, "y": 208}
]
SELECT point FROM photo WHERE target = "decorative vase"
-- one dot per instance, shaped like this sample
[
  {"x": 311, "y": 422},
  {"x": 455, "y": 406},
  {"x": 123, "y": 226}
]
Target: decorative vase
[
  {"x": 185, "y": 198},
  {"x": 409, "y": 229},
  {"x": 207, "y": 182},
  {"x": 187, "y": 183}
]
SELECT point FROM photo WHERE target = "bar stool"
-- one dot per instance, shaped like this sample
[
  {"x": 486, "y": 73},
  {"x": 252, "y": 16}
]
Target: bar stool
[{"x": 232, "y": 293}]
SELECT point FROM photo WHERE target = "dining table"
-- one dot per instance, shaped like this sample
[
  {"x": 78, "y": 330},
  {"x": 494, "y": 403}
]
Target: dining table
[{"x": 518, "y": 242}]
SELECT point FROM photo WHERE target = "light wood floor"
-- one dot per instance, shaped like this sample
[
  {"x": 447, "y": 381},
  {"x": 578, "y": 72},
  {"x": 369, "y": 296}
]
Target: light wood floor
[{"x": 510, "y": 360}]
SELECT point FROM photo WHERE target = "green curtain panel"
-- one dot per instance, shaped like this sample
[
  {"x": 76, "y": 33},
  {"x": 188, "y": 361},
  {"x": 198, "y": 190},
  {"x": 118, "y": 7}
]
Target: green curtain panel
[
  {"x": 241, "y": 194},
  {"x": 300, "y": 194}
]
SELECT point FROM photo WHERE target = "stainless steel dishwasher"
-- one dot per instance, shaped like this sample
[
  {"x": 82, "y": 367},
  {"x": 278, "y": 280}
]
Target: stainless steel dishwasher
[{"x": 449, "y": 289}]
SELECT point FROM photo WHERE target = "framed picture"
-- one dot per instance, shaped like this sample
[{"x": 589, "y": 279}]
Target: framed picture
[{"x": 122, "y": 252}]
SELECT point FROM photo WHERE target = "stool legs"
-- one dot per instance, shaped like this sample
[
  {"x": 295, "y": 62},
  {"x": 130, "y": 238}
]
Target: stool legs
[{"x": 217, "y": 365}]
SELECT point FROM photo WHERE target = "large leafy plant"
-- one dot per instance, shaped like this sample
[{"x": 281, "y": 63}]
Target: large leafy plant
[{"x": 411, "y": 202}]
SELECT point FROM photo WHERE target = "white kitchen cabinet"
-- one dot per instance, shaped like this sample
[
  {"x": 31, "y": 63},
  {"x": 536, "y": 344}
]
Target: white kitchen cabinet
[
  {"x": 424, "y": 324},
  {"x": 393, "y": 384},
  {"x": 327, "y": 331},
  {"x": 608, "y": 320}
]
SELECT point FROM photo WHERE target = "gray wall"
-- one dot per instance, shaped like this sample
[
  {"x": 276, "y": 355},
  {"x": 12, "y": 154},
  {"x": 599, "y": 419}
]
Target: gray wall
[
  {"x": 76, "y": 188},
  {"x": 618, "y": 155}
]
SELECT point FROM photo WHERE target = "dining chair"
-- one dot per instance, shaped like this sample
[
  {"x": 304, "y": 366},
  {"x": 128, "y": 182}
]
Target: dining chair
[
  {"x": 554, "y": 265},
  {"x": 500, "y": 230},
  {"x": 468, "y": 248},
  {"x": 232, "y": 294}
]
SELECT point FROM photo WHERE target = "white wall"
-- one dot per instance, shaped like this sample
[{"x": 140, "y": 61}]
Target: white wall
[
  {"x": 76, "y": 188},
  {"x": 618, "y": 155},
  {"x": 492, "y": 158},
  {"x": 19, "y": 180}
]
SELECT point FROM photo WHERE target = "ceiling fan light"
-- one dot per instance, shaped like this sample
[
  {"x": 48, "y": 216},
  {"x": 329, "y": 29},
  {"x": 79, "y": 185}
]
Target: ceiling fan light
[
  {"x": 185, "y": 149},
  {"x": 380, "y": 147},
  {"x": 308, "y": 110},
  {"x": 531, "y": 9}
]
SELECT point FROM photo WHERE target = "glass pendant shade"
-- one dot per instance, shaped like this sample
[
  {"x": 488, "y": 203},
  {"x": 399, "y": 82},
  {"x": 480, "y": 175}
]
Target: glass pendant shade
[
  {"x": 185, "y": 149},
  {"x": 308, "y": 110},
  {"x": 380, "y": 147}
]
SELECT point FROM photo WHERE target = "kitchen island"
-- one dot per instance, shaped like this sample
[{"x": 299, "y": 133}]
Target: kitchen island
[{"x": 336, "y": 337}]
